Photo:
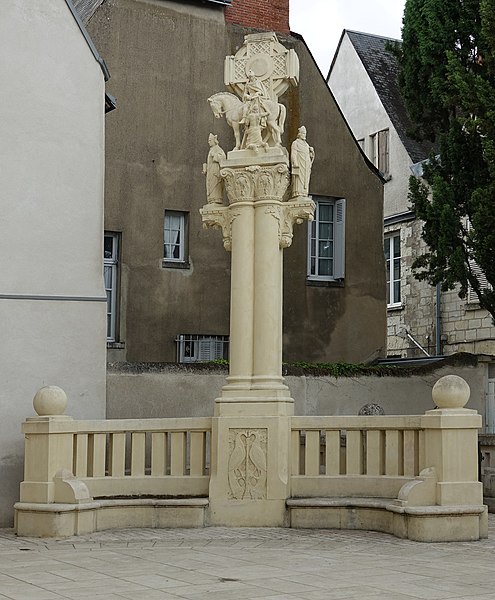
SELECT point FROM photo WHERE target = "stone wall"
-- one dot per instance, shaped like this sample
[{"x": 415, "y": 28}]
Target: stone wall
[{"x": 160, "y": 391}]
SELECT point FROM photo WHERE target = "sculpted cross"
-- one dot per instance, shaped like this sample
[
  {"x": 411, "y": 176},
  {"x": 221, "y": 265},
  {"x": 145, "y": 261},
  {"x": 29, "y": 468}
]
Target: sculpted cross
[
  {"x": 258, "y": 74},
  {"x": 271, "y": 63}
]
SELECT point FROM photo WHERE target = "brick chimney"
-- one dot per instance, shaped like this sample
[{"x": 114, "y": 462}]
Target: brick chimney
[{"x": 271, "y": 15}]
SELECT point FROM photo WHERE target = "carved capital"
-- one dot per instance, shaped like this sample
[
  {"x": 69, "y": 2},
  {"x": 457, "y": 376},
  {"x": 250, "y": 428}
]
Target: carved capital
[
  {"x": 295, "y": 211},
  {"x": 256, "y": 182},
  {"x": 220, "y": 218},
  {"x": 288, "y": 213}
]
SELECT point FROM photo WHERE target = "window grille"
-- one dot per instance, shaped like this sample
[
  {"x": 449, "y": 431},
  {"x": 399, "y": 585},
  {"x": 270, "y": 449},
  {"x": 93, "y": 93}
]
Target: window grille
[{"x": 201, "y": 348}]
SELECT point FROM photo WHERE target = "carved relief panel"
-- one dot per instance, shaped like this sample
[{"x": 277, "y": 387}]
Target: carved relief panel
[{"x": 247, "y": 463}]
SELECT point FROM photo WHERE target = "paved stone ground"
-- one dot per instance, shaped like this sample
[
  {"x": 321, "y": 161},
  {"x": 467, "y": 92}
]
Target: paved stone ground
[{"x": 231, "y": 564}]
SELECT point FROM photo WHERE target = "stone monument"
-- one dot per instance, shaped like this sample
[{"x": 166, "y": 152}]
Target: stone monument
[{"x": 251, "y": 430}]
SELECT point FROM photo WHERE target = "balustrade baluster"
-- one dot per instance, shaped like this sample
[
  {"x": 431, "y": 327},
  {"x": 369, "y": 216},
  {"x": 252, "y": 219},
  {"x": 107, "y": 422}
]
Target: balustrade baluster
[
  {"x": 312, "y": 458},
  {"x": 158, "y": 454},
  {"x": 411, "y": 453},
  {"x": 117, "y": 454},
  {"x": 197, "y": 453},
  {"x": 296, "y": 451},
  {"x": 332, "y": 452},
  {"x": 96, "y": 454},
  {"x": 393, "y": 452},
  {"x": 138, "y": 445},
  {"x": 374, "y": 452},
  {"x": 81, "y": 455},
  {"x": 354, "y": 453},
  {"x": 177, "y": 453}
]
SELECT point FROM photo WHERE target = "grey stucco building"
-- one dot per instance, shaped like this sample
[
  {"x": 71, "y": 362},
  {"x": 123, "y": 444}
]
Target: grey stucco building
[{"x": 168, "y": 278}]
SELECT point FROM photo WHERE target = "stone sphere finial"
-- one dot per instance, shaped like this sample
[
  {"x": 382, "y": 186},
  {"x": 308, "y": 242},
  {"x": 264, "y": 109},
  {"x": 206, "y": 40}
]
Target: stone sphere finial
[
  {"x": 450, "y": 391},
  {"x": 50, "y": 401}
]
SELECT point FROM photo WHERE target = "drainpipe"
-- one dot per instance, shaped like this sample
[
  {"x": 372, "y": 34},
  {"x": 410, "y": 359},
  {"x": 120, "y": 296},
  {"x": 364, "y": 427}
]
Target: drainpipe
[{"x": 438, "y": 323}]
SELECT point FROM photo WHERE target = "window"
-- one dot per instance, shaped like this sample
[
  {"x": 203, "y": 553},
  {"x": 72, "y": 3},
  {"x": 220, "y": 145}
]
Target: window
[
  {"x": 110, "y": 266},
  {"x": 380, "y": 151},
  {"x": 326, "y": 250},
  {"x": 392, "y": 261},
  {"x": 174, "y": 237},
  {"x": 198, "y": 348}
]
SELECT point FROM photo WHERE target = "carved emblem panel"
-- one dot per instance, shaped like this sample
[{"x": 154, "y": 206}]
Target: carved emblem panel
[{"x": 247, "y": 463}]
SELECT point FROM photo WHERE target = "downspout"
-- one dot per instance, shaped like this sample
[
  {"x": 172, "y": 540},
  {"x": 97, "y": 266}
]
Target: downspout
[{"x": 438, "y": 322}]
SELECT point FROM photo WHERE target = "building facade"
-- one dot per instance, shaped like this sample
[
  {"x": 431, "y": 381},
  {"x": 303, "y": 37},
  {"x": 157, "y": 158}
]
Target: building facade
[
  {"x": 169, "y": 279},
  {"x": 52, "y": 299},
  {"x": 420, "y": 319}
]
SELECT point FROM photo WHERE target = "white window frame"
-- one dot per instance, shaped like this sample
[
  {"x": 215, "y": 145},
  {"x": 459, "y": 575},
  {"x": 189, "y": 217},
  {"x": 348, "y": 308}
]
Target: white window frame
[
  {"x": 392, "y": 301},
  {"x": 201, "y": 348},
  {"x": 180, "y": 241},
  {"x": 110, "y": 278},
  {"x": 337, "y": 238},
  {"x": 380, "y": 151}
]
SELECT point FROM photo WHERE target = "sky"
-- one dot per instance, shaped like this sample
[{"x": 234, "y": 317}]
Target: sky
[{"x": 321, "y": 22}]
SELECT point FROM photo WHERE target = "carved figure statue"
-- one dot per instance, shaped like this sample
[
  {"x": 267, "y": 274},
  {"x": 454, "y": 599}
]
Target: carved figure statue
[
  {"x": 254, "y": 121},
  {"x": 302, "y": 156},
  {"x": 255, "y": 94},
  {"x": 225, "y": 103},
  {"x": 214, "y": 182}
]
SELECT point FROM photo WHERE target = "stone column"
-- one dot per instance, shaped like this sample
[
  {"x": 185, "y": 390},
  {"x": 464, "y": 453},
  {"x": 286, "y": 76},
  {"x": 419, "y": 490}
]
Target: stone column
[{"x": 249, "y": 480}]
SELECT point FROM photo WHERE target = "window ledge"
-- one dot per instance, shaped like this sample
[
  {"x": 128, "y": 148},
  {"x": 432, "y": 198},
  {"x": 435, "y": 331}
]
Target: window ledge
[
  {"x": 338, "y": 283},
  {"x": 171, "y": 264},
  {"x": 116, "y": 345},
  {"x": 472, "y": 306},
  {"x": 394, "y": 307}
]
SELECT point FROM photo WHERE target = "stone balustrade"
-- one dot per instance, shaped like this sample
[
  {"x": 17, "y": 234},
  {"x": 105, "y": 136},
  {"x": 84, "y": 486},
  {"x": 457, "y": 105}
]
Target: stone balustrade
[
  {"x": 407, "y": 475},
  {"x": 355, "y": 455}
]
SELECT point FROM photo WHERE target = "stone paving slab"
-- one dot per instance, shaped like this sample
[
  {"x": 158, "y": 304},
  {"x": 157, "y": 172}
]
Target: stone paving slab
[{"x": 244, "y": 564}]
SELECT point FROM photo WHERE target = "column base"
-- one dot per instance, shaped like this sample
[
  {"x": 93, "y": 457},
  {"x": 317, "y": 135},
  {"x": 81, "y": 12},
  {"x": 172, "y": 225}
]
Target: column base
[{"x": 250, "y": 481}]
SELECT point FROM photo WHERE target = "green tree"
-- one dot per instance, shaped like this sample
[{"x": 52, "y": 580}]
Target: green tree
[{"x": 447, "y": 78}]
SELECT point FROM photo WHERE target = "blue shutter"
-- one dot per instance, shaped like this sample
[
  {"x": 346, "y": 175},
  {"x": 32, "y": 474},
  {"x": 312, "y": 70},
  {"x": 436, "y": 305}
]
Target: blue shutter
[{"x": 339, "y": 240}]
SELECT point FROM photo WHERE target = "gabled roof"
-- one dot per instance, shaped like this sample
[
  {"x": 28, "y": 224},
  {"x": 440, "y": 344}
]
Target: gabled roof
[{"x": 383, "y": 69}]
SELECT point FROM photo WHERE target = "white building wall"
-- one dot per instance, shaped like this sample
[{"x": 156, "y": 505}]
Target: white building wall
[
  {"x": 52, "y": 309},
  {"x": 365, "y": 114}
]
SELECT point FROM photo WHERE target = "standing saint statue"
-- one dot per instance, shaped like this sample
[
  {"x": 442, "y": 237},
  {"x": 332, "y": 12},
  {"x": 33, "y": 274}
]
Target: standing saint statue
[
  {"x": 214, "y": 181},
  {"x": 302, "y": 156}
]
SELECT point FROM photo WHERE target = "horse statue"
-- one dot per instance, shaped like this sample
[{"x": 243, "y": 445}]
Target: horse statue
[{"x": 225, "y": 103}]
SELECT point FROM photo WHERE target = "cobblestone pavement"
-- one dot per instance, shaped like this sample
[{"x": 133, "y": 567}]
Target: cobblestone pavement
[{"x": 247, "y": 563}]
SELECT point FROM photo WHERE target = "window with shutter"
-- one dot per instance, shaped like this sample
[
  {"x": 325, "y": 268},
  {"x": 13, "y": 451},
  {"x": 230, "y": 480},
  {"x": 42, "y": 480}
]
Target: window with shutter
[
  {"x": 380, "y": 154},
  {"x": 326, "y": 240}
]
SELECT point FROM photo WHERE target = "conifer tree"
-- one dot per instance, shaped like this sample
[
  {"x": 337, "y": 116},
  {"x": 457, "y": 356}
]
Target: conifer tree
[{"x": 447, "y": 79}]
